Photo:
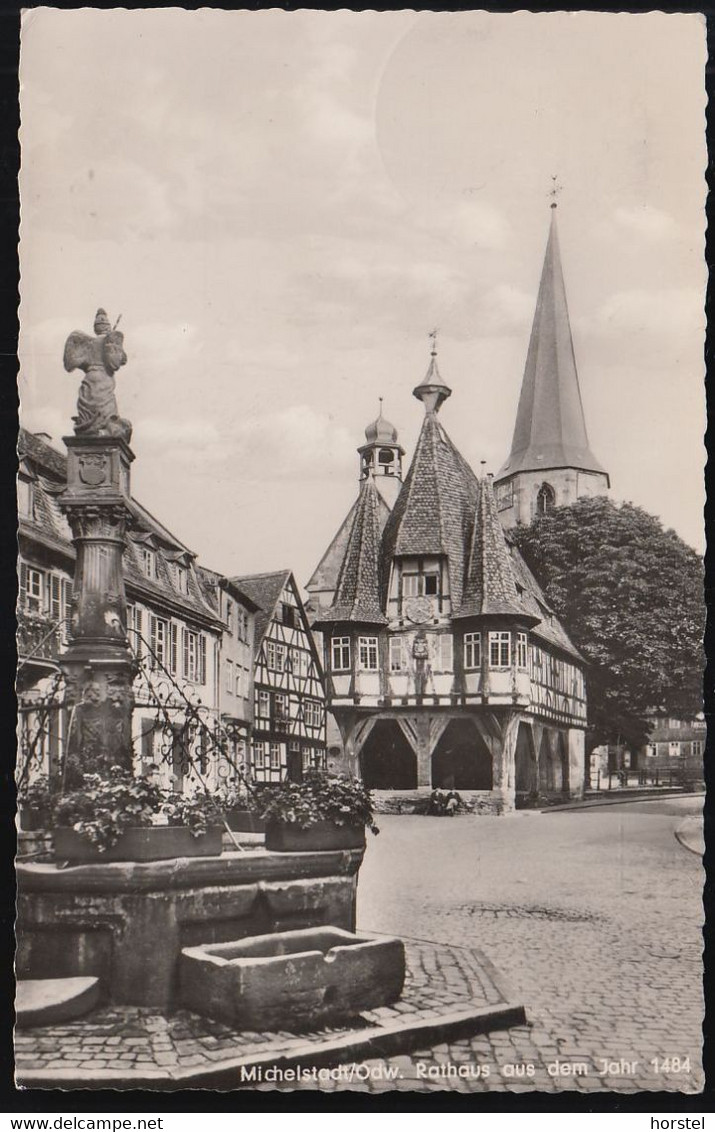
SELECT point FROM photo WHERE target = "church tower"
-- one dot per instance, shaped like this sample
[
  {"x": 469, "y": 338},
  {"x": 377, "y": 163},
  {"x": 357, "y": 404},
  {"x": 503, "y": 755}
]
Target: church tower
[{"x": 551, "y": 463}]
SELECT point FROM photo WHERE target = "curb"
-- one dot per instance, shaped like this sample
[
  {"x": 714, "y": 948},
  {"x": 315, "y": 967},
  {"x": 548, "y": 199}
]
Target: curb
[
  {"x": 690, "y": 835},
  {"x": 618, "y": 801},
  {"x": 234, "y": 1073}
]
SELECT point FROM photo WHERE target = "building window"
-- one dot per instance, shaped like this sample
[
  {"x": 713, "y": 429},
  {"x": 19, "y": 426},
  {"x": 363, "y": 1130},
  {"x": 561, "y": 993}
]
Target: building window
[
  {"x": 134, "y": 627},
  {"x": 340, "y": 654},
  {"x": 259, "y": 754},
  {"x": 159, "y": 642},
  {"x": 147, "y": 559},
  {"x": 546, "y": 499},
  {"x": 194, "y": 656},
  {"x": 500, "y": 649},
  {"x": 263, "y": 705},
  {"x": 299, "y": 662},
  {"x": 472, "y": 650},
  {"x": 238, "y": 686},
  {"x": 229, "y": 615},
  {"x": 242, "y": 618},
  {"x": 368, "y": 653},
  {"x": 280, "y": 707},
  {"x": 674, "y": 750},
  {"x": 229, "y": 676},
  {"x": 275, "y": 656},
  {"x": 697, "y": 747},
  {"x": 444, "y": 661},
  {"x": 420, "y": 585},
  {"x": 288, "y": 613},
  {"x": 312, "y": 713},
  {"x": 24, "y": 497},
  {"x": 398, "y": 655},
  {"x": 181, "y": 578},
  {"x": 275, "y": 756},
  {"x": 521, "y": 650},
  {"x": 35, "y": 591}
]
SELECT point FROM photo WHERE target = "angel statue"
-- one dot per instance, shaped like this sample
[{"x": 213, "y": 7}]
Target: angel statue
[{"x": 100, "y": 358}]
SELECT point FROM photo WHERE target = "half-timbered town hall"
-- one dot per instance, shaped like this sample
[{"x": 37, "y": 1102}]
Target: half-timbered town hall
[{"x": 445, "y": 666}]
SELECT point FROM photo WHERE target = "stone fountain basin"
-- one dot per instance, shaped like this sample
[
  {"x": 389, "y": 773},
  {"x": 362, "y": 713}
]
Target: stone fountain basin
[{"x": 291, "y": 980}]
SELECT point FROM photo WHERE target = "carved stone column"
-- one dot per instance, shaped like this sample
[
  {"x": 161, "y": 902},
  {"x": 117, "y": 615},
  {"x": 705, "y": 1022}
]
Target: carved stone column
[{"x": 98, "y": 665}]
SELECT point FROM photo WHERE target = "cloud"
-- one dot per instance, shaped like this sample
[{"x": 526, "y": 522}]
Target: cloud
[
  {"x": 646, "y": 221},
  {"x": 297, "y": 442},
  {"x": 471, "y": 223},
  {"x": 669, "y": 311}
]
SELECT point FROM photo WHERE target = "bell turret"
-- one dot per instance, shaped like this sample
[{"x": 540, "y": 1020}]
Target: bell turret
[{"x": 381, "y": 457}]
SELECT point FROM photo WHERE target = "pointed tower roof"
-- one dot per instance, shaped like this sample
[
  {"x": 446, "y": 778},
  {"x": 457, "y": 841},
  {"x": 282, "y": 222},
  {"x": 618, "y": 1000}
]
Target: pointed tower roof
[
  {"x": 550, "y": 430},
  {"x": 490, "y": 586},
  {"x": 434, "y": 510},
  {"x": 432, "y": 391},
  {"x": 357, "y": 594}
]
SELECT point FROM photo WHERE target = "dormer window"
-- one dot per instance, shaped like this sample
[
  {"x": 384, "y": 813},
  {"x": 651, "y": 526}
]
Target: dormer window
[
  {"x": 420, "y": 584},
  {"x": 181, "y": 578},
  {"x": 147, "y": 558},
  {"x": 24, "y": 498}
]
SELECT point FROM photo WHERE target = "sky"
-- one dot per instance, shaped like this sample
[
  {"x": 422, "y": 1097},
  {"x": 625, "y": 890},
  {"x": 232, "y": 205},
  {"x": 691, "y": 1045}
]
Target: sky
[{"x": 282, "y": 206}]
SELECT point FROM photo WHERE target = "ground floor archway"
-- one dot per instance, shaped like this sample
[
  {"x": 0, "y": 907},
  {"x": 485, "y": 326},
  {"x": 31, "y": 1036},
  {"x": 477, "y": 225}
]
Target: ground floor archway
[
  {"x": 461, "y": 759},
  {"x": 526, "y": 771},
  {"x": 387, "y": 761}
]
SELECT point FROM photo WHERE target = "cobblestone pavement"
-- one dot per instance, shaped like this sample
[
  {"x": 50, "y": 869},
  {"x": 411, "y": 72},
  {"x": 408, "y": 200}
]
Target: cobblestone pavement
[
  {"x": 594, "y": 917},
  {"x": 130, "y": 1040}
]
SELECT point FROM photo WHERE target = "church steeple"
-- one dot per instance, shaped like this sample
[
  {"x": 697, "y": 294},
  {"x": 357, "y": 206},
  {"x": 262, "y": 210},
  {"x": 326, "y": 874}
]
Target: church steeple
[{"x": 551, "y": 462}]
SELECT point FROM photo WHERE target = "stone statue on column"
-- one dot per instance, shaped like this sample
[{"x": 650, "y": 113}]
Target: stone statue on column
[
  {"x": 100, "y": 357},
  {"x": 98, "y": 665}
]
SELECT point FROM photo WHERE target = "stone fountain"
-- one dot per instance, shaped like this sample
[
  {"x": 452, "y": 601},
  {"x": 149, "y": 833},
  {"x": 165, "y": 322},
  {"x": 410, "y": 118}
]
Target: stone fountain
[{"x": 128, "y": 924}]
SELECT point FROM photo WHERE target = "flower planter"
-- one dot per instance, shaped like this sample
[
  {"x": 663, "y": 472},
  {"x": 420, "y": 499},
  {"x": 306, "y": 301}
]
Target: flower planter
[
  {"x": 322, "y": 836},
  {"x": 245, "y": 821},
  {"x": 291, "y": 980},
  {"x": 151, "y": 843},
  {"x": 32, "y": 820}
]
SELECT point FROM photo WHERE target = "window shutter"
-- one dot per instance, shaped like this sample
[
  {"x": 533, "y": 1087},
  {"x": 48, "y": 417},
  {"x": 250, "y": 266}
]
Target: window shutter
[
  {"x": 202, "y": 659},
  {"x": 446, "y": 657},
  {"x": 185, "y": 651},
  {"x": 173, "y": 648},
  {"x": 152, "y": 638},
  {"x": 22, "y": 596},
  {"x": 55, "y": 602}
]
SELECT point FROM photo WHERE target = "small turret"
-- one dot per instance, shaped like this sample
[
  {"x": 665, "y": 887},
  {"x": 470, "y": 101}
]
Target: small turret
[{"x": 381, "y": 458}]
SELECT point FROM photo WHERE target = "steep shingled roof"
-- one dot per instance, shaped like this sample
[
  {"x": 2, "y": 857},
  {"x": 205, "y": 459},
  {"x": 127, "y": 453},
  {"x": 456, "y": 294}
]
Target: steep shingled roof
[
  {"x": 435, "y": 509},
  {"x": 265, "y": 590},
  {"x": 489, "y": 587},
  {"x": 550, "y": 429},
  {"x": 357, "y": 593}
]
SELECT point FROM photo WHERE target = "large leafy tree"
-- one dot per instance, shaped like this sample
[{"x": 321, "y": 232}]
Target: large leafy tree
[{"x": 630, "y": 595}]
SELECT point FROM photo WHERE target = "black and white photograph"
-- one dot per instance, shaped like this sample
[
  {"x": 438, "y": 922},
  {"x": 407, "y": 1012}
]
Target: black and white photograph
[{"x": 360, "y": 621}]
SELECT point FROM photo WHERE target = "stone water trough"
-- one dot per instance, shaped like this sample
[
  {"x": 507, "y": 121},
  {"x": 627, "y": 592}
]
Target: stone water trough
[{"x": 293, "y": 979}]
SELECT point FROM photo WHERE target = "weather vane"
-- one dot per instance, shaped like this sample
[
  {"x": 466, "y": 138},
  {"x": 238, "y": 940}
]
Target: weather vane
[
  {"x": 433, "y": 335},
  {"x": 555, "y": 189}
]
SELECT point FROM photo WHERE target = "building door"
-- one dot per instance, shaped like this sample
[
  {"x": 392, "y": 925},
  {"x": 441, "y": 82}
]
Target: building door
[{"x": 294, "y": 766}]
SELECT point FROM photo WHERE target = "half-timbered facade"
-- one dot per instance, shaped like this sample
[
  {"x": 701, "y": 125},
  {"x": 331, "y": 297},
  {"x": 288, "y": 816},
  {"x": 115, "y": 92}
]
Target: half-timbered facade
[
  {"x": 445, "y": 666},
  {"x": 178, "y": 628},
  {"x": 289, "y": 693}
]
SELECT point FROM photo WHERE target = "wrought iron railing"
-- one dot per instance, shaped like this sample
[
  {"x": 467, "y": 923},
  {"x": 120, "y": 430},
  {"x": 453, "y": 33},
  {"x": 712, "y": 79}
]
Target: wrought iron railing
[{"x": 38, "y": 637}]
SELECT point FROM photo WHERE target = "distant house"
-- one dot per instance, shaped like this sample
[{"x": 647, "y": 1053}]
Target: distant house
[
  {"x": 182, "y": 621},
  {"x": 289, "y": 693}
]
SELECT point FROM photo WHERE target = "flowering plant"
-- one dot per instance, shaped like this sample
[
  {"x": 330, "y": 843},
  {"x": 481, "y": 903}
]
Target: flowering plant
[
  {"x": 102, "y": 809},
  {"x": 319, "y": 797},
  {"x": 198, "y": 812},
  {"x": 36, "y": 796}
]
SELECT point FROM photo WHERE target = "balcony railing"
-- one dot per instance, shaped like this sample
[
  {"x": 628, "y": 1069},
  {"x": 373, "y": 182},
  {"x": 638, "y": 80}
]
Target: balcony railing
[{"x": 38, "y": 638}]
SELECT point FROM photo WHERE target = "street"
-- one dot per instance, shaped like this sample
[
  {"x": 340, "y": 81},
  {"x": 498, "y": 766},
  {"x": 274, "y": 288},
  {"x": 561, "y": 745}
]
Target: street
[{"x": 593, "y": 916}]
